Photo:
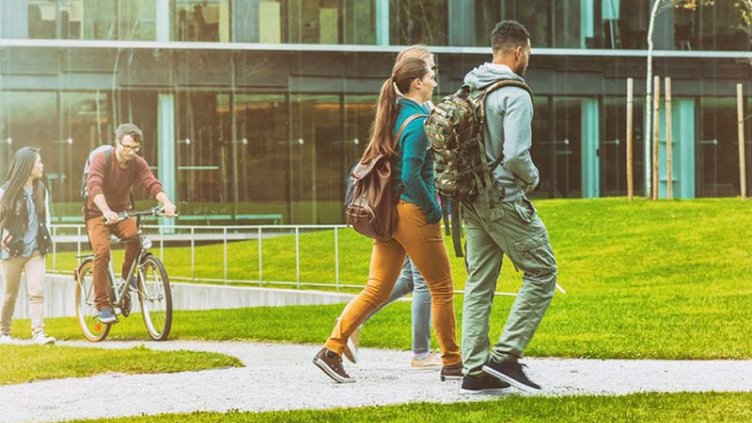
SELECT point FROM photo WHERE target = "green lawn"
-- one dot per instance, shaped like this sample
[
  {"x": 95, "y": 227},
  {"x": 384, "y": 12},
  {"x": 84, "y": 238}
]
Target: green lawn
[
  {"x": 26, "y": 363},
  {"x": 683, "y": 407},
  {"x": 667, "y": 279}
]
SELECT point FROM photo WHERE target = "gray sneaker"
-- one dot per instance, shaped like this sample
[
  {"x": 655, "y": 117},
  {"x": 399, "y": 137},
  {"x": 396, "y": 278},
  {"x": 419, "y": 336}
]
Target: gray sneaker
[
  {"x": 331, "y": 364},
  {"x": 5, "y": 339},
  {"x": 106, "y": 315}
]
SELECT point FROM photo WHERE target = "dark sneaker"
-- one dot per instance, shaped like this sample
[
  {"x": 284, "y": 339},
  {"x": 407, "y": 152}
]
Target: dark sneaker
[
  {"x": 483, "y": 384},
  {"x": 453, "y": 371},
  {"x": 331, "y": 364},
  {"x": 511, "y": 372},
  {"x": 106, "y": 315}
]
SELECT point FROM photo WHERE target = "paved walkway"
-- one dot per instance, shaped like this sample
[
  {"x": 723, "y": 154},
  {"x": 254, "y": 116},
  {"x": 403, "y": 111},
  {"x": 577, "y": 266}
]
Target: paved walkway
[{"x": 282, "y": 377}]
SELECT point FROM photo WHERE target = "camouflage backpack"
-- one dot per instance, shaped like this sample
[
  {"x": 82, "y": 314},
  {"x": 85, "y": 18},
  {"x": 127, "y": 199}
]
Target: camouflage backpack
[{"x": 455, "y": 131}]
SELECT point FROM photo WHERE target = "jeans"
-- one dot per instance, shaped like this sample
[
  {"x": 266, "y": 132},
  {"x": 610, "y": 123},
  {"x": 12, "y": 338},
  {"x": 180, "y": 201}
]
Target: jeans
[{"x": 410, "y": 280}]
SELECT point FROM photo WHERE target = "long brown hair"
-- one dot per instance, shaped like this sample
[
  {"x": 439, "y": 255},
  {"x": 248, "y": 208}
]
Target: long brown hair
[
  {"x": 13, "y": 184},
  {"x": 404, "y": 73}
]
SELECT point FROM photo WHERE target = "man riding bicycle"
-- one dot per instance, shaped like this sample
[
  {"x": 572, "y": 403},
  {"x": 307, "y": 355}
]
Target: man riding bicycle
[{"x": 109, "y": 193}]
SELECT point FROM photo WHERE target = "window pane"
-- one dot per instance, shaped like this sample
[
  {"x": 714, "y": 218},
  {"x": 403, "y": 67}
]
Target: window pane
[
  {"x": 263, "y": 151},
  {"x": 359, "y": 114},
  {"x": 25, "y": 129},
  {"x": 418, "y": 22},
  {"x": 203, "y": 152},
  {"x": 201, "y": 20},
  {"x": 110, "y": 19},
  {"x": 86, "y": 125},
  {"x": 42, "y": 19},
  {"x": 718, "y": 149},
  {"x": 318, "y": 167},
  {"x": 613, "y": 149}
]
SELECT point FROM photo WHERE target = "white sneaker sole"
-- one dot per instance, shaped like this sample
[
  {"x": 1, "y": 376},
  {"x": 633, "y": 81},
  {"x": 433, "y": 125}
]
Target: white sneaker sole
[
  {"x": 331, "y": 373},
  {"x": 514, "y": 382},
  {"x": 497, "y": 391}
]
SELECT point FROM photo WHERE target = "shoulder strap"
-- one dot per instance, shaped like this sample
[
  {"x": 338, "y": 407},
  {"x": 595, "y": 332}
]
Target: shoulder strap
[
  {"x": 404, "y": 125},
  {"x": 506, "y": 83},
  {"x": 107, "y": 162}
]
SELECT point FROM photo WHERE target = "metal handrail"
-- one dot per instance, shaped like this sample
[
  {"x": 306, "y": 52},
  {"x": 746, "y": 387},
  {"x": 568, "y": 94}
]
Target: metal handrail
[{"x": 220, "y": 234}]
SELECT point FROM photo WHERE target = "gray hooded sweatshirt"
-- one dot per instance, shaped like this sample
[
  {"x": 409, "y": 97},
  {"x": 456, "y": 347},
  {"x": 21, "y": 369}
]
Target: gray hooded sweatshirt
[{"x": 509, "y": 115}]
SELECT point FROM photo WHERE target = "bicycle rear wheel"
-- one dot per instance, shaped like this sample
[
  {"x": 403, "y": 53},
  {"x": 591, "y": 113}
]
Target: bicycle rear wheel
[
  {"x": 155, "y": 297},
  {"x": 86, "y": 312}
]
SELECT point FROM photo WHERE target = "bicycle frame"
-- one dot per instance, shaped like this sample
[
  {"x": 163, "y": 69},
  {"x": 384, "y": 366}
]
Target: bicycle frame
[{"x": 118, "y": 292}]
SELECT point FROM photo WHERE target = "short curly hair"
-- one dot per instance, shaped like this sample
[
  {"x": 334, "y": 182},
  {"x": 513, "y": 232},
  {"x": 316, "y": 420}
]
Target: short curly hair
[
  {"x": 129, "y": 129},
  {"x": 508, "y": 35}
]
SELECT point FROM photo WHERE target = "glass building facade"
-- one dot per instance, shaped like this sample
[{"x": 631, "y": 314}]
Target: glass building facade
[{"x": 255, "y": 109}]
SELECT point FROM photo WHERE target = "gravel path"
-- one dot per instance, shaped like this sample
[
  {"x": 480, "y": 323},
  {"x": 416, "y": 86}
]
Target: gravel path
[{"x": 282, "y": 377}]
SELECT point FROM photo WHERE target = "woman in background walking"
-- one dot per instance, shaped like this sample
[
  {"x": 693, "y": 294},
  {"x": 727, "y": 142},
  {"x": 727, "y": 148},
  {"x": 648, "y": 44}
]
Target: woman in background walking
[{"x": 24, "y": 217}]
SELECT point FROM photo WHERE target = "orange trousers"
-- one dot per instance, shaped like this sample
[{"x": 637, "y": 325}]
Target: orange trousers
[{"x": 425, "y": 245}]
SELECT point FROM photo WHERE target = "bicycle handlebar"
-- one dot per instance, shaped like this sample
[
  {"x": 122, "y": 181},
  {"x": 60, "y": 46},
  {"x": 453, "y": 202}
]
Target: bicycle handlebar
[{"x": 154, "y": 211}]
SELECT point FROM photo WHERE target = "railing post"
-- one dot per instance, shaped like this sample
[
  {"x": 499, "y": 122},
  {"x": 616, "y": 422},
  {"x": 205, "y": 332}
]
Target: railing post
[
  {"x": 78, "y": 240},
  {"x": 297, "y": 256},
  {"x": 193, "y": 253},
  {"x": 161, "y": 244},
  {"x": 260, "y": 258},
  {"x": 54, "y": 249},
  {"x": 336, "y": 258},
  {"x": 224, "y": 243}
]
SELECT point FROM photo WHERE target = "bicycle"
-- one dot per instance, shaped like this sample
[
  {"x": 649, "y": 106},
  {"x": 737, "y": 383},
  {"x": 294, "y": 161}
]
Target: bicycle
[{"x": 153, "y": 289}]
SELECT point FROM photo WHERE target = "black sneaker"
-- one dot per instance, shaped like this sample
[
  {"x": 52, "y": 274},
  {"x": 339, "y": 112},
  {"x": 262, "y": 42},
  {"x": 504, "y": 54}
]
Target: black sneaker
[
  {"x": 453, "y": 371},
  {"x": 483, "y": 384},
  {"x": 511, "y": 372},
  {"x": 106, "y": 315},
  {"x": 331, "y": 364}
]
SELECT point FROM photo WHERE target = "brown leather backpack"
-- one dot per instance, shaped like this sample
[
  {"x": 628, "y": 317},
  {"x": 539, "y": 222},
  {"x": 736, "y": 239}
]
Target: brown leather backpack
[{"x": 370, "y": 203}]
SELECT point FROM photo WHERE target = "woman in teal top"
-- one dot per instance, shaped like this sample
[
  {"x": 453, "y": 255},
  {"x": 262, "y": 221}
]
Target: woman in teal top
[
  {"x": 417, "y": 232},
  {"x": 410, "y": 281}
]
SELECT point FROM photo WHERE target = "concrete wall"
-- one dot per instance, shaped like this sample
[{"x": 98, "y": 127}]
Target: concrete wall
[{"x": 60, "y": 302}]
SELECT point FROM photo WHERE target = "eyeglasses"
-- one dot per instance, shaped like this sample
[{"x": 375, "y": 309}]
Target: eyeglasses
[{"x": 134, "y": 148}]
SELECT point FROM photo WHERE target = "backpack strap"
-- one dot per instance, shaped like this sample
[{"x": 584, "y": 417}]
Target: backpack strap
[
  {"x": 404, "y": 126},
  {"x": 482, "y": 121}
]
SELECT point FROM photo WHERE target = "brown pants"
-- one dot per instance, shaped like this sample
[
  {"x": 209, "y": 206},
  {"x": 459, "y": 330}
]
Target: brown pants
[
  {"x": 99, "y": 237},
  {"x": 425, "y": 246}
]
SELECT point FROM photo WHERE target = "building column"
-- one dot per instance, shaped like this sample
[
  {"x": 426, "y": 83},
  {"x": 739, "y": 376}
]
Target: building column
[
  {"x": 382, "y": 22},
  {"x": 587, "y": 21},
  {"x": 682, "y": 150},
  {"x": 164, "y": 22},
  {"x": 166, "y": 146},
  {"x": 589, "y": 148}
]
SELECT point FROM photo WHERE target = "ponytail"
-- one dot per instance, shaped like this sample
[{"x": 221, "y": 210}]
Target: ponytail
[{"x": 381, "y": 143}]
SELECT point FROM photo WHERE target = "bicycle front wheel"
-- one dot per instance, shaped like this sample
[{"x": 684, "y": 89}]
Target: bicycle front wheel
[
  {"x": 155, "y": 297},
  {"x": 86, "y": 312}
]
